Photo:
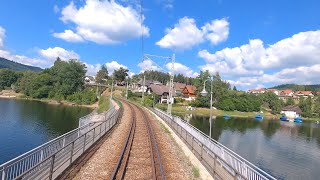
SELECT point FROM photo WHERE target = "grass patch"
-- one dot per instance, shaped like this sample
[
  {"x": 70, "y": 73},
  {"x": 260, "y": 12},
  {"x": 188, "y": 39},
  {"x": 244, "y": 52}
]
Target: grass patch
[
  {"x": 104, "y": 103},
  {"x": 181, "y": 110},
  {"x": 164, "y": 128},
  {"x": 195, "y": 172}
]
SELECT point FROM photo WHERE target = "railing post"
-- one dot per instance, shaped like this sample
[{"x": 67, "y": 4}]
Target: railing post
[
  {"x": 94, "y": 132},
  {"x": 41, "y": 156},
  {"x": 72, "y": 147},
  {"x": 4, "y": 172},
  {"x": 52, "y": 166},
  {"x": 84, "y": 142},
  {"x": 201, "y": 152},
  {"x": 64, "y": 141}
]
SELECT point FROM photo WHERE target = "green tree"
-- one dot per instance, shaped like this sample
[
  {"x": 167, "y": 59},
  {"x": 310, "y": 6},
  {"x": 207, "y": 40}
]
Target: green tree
[
  {"x": 317, "y": 106},
  {"x": 235, "y": 88},
  {"x": 120, "y": 74},
  {"x": 102, "y": 74},
  {"x": 290, "y": 101},
  {"x": 7, "y": 78},
  {"x": 306, "y": 106}
]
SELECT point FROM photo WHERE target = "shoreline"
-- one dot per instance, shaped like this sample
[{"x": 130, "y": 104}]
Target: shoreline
[
  {"x": 49, "y": 101},
  {"x": 180, "y": 110}
]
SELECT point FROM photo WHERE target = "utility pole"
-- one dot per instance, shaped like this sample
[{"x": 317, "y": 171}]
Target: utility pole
[
  {"x": 171, "y": 86},
  {"x": 112, "y": 87},
  {"x": 144, "y": 83}
]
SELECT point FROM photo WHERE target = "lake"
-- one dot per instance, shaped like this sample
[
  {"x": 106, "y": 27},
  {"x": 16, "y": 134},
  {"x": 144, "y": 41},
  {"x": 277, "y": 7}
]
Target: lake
[
  {"x": 26, "y": 124},
  {"x": 287, "y": 150}
]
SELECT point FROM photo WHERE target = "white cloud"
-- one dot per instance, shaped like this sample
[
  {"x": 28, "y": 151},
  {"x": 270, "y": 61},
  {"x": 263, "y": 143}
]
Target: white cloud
[
  {"x": 69, "y": 36},
  {"x": 104, "y": 22},
  {"x": 131, "y": 74},
  {"x": 52, "y": 54},
  {"x": 217, "y": 31},
  {"x": 181, "y": 69},
  {"x": 114, "y": 65},
  {"x": 186, "y": 34},
  {"x": 24, "y": 59},
  {"x": 148, "y": 65},
  {"x": 2, "y": 35},
  {"x": 92, "y": 69},
  {"x": 291, "y": 60}
]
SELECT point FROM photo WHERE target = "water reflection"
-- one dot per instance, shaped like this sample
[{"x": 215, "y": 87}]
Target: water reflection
[
  {"x": 26, "y": 124},
  {"x": 287, "y": 150}
]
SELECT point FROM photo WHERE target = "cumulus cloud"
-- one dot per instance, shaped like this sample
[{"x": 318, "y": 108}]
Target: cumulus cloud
[
  {"x": 291, "y": 60},
  {"x": 69, "y": 36},
  {"x": 114, "y": 65},
  {"x": 52, "y": 54},
  {"x": 217, "y": 30},
  {"x": 181, "y": 69},
  {"x": 92, "y": 69},
  {"x": 24, "y": 59},
  {"x": 2, "y": 34},
  {"x": 186, "y": 34},
  {"x": 148, "y": 65},
  {"x": 102, "y": 22}
]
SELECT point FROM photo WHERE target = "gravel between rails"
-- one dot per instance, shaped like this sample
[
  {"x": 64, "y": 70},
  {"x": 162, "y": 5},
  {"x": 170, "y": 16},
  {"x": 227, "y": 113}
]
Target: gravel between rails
[
  {"x": 101, "y": 164},
  {"x": 176, "y": 165}
]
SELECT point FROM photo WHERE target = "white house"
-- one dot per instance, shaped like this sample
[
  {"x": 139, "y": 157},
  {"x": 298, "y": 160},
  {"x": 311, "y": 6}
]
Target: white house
[{"x": 291, "y": 111}]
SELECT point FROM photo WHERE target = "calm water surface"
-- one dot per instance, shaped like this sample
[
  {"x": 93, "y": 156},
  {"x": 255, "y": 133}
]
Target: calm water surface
[
  {"x": 287, "y": 150},
  {"x": 26, "y": 124}
]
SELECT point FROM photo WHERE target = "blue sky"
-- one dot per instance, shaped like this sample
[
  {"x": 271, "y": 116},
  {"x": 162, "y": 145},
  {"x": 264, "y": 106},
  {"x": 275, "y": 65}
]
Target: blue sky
[{"x": 251, "y": 43}]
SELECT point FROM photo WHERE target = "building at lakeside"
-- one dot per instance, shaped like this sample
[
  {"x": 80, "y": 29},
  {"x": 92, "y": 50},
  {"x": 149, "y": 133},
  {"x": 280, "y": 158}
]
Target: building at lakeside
[
  {"x": 162, "y": 91},
  {"x": 284, "y": 94},
  {"x": 189, "y": 93},
  {"x": 291, "y": 111}
]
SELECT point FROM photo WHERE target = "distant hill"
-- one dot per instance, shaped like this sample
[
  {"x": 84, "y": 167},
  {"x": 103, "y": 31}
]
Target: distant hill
[
  {"x": 295, "y": 87},
  {"x": 14, "y": 66}
]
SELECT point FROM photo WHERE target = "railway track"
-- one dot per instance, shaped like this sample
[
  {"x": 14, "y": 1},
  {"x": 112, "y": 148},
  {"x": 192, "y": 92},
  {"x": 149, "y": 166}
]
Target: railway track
[{"x": 140, "y": 157}]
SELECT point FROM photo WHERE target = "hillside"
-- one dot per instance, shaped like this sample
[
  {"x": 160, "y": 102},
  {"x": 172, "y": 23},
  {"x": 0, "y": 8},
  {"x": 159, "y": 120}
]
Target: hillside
[
  {"x": 7, "y": 64},
  {"x": 295, "y": 87}
]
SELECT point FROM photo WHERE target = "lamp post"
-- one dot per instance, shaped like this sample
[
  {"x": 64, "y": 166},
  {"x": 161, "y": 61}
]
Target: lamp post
[
  {"x": 205, "y": 93},
  {"x": 127, "y": 89}
]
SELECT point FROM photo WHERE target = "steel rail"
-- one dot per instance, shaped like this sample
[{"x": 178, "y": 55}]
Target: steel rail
[
  {"x": 154, "y": 147},
  {"x": 122, "y": 163},
  {"x": 125, "y": 149}
]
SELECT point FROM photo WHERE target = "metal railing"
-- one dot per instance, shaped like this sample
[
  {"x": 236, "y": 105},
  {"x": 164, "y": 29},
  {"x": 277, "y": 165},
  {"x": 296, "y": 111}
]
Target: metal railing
[
  {"x": 219, "y": 160},
  {"x": 49, "y": 160}
]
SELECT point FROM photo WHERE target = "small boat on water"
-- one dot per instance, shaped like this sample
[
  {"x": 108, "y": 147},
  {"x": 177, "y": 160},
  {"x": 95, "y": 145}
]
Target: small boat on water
[
  {"x": 226, "y": 116},
  {"x": 259, "y": 117},
  {"x": 283, "y": 118},
  {"x": 297, "y": 120}
]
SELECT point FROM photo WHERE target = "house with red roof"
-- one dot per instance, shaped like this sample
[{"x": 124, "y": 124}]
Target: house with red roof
[
  {"x": 257, "y": 91},
  {"x": 304, "y": 94},
  {"x": 189, "y": 92},
  {"x": 285, "y": 94}
]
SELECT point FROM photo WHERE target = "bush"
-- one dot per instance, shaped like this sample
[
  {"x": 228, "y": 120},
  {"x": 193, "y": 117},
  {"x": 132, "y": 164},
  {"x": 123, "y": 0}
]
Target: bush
[
  {"x": 85, "y": 97},
  {"x": 148, "y": 102}
]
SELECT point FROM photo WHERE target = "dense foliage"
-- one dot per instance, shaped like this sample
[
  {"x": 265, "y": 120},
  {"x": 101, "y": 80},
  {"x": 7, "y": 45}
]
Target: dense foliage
[
  {"x": 120, "y": 74},
  {"x": 102, "y": 74},
  {"x": 8, "y": 77},
  {"x": 14, "y": 66},
  {"x": 64, "y": 80}
]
